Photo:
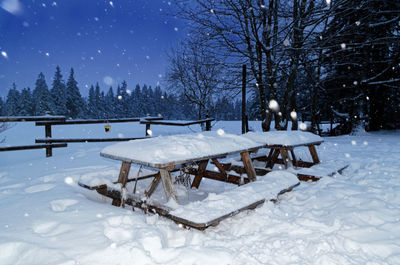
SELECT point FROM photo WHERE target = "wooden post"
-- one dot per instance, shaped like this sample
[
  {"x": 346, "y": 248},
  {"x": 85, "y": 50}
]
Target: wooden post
[
  {"x": 168, "y": 185},
  {"x": 208, "y": 125},
  {"x": 49, "y": 150},
  {"x": 244, "y": 118},
  {"x": 248, "y": 165},
  {"x": 147, "y": 129}
]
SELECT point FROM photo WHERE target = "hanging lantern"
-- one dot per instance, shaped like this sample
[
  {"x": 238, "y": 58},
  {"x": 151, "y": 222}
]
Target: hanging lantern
[{"x": 107, "y": 128}]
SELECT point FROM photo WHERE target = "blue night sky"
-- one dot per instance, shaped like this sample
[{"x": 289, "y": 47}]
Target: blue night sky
[{"x": 104, "y": 41}]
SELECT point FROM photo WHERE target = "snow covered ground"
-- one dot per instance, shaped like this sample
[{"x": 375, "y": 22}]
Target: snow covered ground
[{"x": 46, "y": 218}]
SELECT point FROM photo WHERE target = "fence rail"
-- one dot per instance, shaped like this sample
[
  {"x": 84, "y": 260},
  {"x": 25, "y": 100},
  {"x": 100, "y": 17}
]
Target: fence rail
[{"x": 49, "y": 142}]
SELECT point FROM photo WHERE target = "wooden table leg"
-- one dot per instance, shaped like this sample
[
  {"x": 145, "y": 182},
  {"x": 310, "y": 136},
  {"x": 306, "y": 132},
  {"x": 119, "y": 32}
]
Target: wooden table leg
[
  {"x": 153, "y": 185},
  {"x": 285, "y": 157},
  {"x": 220, "y": 167},
  {"x": 248, "y": 165},
  {"x": 314, "y": 154},
  {"x": 294, "y": 160},
  {"x": 200, "y": 174},
  {"x": 123, "y": 177},
  {"x": 168, "y": 185},
  {"x": 274, "y": 156}
]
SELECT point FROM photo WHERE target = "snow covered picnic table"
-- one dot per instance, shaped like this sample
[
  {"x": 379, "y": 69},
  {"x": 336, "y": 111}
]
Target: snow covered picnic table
[
  {"x": 284, "y": 142},
  {"x": 191, "y": 153}
]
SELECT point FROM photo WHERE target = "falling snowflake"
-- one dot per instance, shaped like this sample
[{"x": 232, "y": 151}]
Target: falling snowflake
[
  {"x": 149, "y": 132},
  {"x": 220, "y": 132},
  {"x": 119, "y": 97},
  {"x": 212, "y": 11},
  {"x": 328, "y": 2},
  {"x": 96, "y": 18},
  {"x": 303, "y": 126},
  {"x": 358, "y": 23},
  {"x": 147, "y": 57},
  {"x": 47, "y": 54},
  {"x": 54, "y": 3},
  {"x": 111, "y": 3},
  {"x": 99, "y": 51},
  {"x": 4, "y": 54},
  {"x": 343, "y": 45},
  {"x": 293, "y": 115},
  {"x": 69, "y": 180},
  {"x": 273, "y": 104},
  {"x": 176, "y": 29}
]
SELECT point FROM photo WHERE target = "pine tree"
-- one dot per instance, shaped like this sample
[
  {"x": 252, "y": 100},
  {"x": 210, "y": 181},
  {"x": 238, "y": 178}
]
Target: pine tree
[
  {"x": 92, "y": 103},
  {"x": 12, "y": 102},
  {"x": 1, "y": 107},
  {"x": 25, "y": 102},
  {"x": 75, "y": 103},
  {"x": 58, "y": 94},
  {"x": 41, "y": 96},
  {"x": 110, "y": 102}
]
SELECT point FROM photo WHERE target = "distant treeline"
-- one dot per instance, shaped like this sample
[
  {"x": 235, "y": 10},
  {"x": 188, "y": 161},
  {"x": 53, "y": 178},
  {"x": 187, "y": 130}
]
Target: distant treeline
[{"x": 65, "y": 99}]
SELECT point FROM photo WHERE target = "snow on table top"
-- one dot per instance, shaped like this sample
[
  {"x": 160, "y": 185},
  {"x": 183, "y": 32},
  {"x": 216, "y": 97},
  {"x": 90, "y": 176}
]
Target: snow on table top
[
  {"x": 284, "y": 138},
  {"x": 161, "y": 151},
  {"x": 217, "y": 205}
]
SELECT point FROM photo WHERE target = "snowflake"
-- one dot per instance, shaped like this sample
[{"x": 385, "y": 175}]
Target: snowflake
[{"x": 4, "y": 54}]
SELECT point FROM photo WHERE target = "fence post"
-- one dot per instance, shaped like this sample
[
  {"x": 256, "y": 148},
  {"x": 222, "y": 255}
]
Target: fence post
[
  {"x": 147, "y": 129},
  {"x": 208, "y": 125},
  {"x": 49, "y": 150}
]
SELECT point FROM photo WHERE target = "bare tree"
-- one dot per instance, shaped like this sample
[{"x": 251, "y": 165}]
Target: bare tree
[
  {"x": 195, "y": 74},
  {"x": 267, "y": 35}
]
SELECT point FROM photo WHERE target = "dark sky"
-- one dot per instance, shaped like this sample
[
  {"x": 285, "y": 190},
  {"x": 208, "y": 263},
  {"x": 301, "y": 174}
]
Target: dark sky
[{"x": 104, "y": 41}]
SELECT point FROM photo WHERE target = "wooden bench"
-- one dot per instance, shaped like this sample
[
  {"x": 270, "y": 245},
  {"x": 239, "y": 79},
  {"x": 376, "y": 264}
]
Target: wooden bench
[{"x": 190, "y": 153}]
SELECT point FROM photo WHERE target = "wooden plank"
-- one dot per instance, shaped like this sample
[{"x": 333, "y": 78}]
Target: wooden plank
[
  {"x": 200, "y": 172},
  {"x": 314, "y": 154},
  {"x": 28, "y": 147},
  {"x": 30, "y": 118},
  {"x": 172, "y": 123},
  {"x": 248, "y": 165},
  {"x": 168, "y": 185},
  {"x": 86, "y": 140},
  {"x": 94, "y": 121},
  {"x": 292, "y": 145}
]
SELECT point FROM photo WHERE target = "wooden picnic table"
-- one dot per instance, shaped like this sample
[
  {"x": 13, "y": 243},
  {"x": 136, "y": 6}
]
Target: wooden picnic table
[
  {"x": 170, "y": 153},
  {"x": 283, "y": 143}
]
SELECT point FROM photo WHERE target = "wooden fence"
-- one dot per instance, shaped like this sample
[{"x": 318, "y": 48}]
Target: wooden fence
[{"x": 49, "y": 142}]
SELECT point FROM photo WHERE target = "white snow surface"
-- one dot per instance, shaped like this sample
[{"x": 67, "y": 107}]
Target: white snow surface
[
  {"x": 179, "y": 148},
  {"x": 285, "y": 138},
  {"x": 46, "y": 218}
]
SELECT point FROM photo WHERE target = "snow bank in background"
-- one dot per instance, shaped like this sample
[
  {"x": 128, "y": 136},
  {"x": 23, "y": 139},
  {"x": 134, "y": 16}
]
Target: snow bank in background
[{"x": 353, "y": 218}]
